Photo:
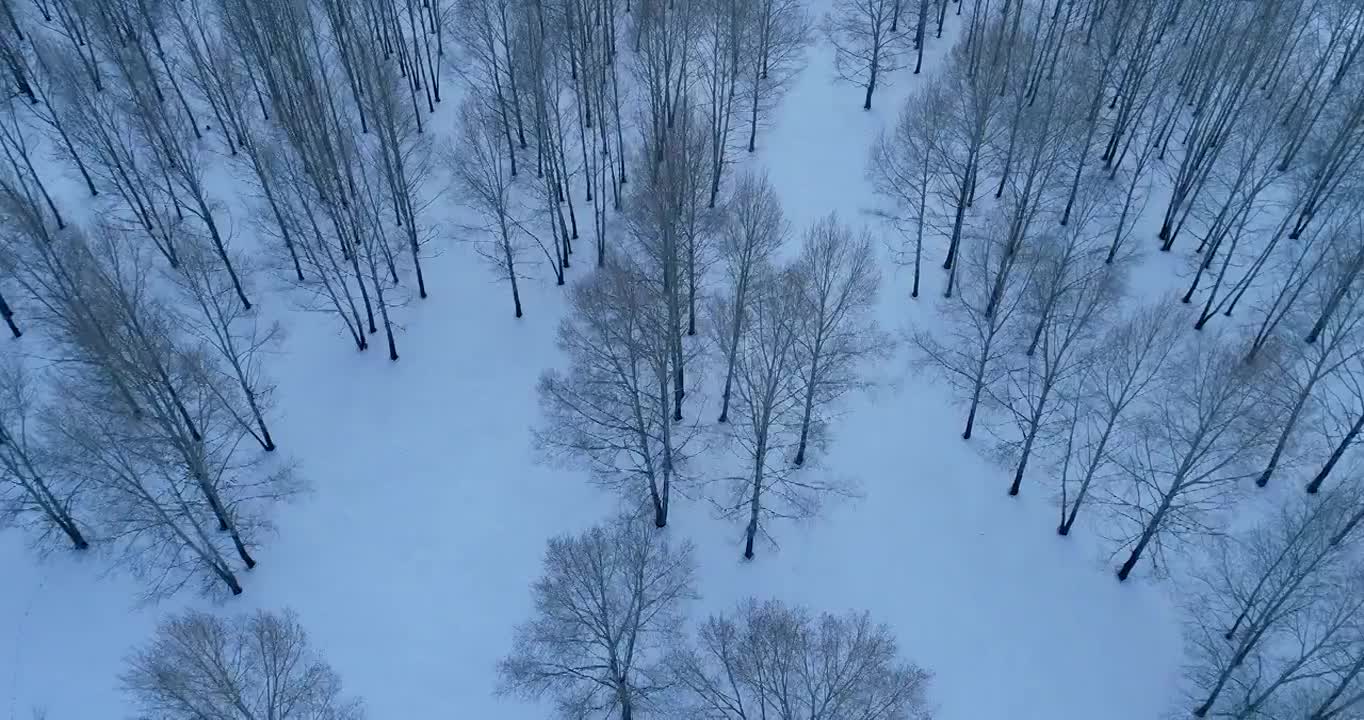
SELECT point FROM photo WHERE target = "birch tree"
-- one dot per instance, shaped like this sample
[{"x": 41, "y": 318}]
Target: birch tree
[
  {"x": 1301, "y": 370},
  {"x": 262, "y": 665},
  {"x": 1195, "y": 439},
  {"x": 768, "y": 409},
  {"x": 484, "y": 175},
  {"x": 867, "y": 46},
  {"x": 783, "y": 36},
  {"x": 754, "y": 230},
  {"x": 838, "y": 280},
  {"x": 35, "y": 493},
  {"x": 1111, "y": 389},
  {"x": 608, "y": 604},
  {"x": 974, "y": 105},
  {"x": 904, "y": 174},
  {"x": 1341, "y": 421},
  {"x": 971, "y": 360},
  {"x": 234, "y": 340},
  {"x": 1262, "y": 592},
  {"x": 159, "y": 523},
  {"x": 7, "y": 313},
  {"x": 726, "y": 54},
  {"x": 771, "y": 660},
  {"x": 1067, "y": 316},
  {"x": 169, "y": 147},
  {"x": 611, "y": 411},
  {"x": 400, "y": 157}
]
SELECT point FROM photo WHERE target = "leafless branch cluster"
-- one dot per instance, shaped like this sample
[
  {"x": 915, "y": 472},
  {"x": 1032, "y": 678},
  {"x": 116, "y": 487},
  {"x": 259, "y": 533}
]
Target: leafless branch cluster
[
  {"x": 136, "y": 432},
  {"x": 607, "y": 638},
  {"x": 769, "y": 660},
  {"x": 250, "y": 666}
]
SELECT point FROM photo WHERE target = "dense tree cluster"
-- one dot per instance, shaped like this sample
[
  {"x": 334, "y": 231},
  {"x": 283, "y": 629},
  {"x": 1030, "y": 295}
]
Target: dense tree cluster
[
  {"x": 1156, "y": 419},
  {"x": 229, "y": 146},
  {"x": 608, "y": 639}
]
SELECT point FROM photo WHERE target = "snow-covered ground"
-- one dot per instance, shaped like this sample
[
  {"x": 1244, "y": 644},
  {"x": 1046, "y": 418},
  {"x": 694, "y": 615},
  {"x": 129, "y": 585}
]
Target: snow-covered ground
[{"x": 410, "y": 561}]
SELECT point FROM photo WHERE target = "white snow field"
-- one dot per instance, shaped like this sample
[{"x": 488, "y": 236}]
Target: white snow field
[{"x": 409, "y": 562}]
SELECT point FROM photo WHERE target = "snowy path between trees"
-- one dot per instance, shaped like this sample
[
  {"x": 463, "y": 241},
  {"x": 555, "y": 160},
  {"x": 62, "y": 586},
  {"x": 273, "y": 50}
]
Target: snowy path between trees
[{"x": 410, "y": 561}]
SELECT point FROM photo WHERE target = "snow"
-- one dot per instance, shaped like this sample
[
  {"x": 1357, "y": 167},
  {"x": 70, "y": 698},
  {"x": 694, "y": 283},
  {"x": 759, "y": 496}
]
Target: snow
[{"x": 410, "y": 561}]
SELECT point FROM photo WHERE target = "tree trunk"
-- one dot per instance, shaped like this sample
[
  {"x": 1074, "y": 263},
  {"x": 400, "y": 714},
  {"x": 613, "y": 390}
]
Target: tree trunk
[
  {"x": 1263, "y": 480},
  {"x": 739, "y": 297},
  {"x": 74, "y": 534},
  {"x": 809, "y": 409},
  {"x": 267, "y": 442},
  {"x": 1350, "y": 526},
  {"x": 222, "y": 251},
  {"x": 871, "y": 87},
  {"x": 963, "y": 198},
  {"x": 753, "y": 119},
  {"x": 754, "y": 503},
  {"x": 1225, "y": 675},
  {"x": 8, "y": 315},
  {"x": 975, "y": 395},
  {"x": 383, "y": 309},
  {"x": 241, "y": 550},
  {"x": 1147, "y": 533},
  {"x": 1027, "y": 451},
  {"x": 1315, "y": 486},
  {"x": 1324, "y": 710},
  {"x": 661, "y": 498},
  {"x": 1089, "y": 477}
]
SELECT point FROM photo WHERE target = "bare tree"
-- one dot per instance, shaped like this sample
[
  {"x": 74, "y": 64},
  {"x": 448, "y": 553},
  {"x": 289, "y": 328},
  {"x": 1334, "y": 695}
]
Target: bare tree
[
  {"x": 1110, "y": 388},
  {"x": 485, "y": 46},
  {"x": 754, "y": 230},
  {"x": 167, "y": 144},
  {"x": 1236, "y": 39},
  {"x": 669, "y": 224},
  {"x": 33, "y": 490},
  {"x": 1341, "y": 420},
  {"x": 972, "y": 359},
  {"x": 1195, "y": 438},
  {"x": 867, "y": 46},
  {"x": 256, "y": 666},
  {"x": 768, "y": 406},
  {"x": 666, "y": 48},
  {"x": 400, "y": 157},
  {"x": 838, "y": 280},
  {"x": 234, "y": 338},
  {"x": 7, "y": 313},
  {"x": 484, "y": 175},
  {"x": 1343, "y": 691},
  {"x": 223, "y": 79},
  {"x": 612, "y": 410},
  {"x": 974, "y": 107},
  {"x": 103, "y": 130},
  {"x": 371, "y": 244},
  {"x": 903, "y": 172},
  {"x": 1302, "y": 370},
  {"x": 608, "y": 604},
  {"x": 47, "y": 108},
  {"x": 1068, "y": 314},
  {"x": 728, "y": 34},
  {"x": 19, "y": 158},
  {"x": 332, "y": 280},
  {"x": 783, "y": 34},
  {"x": 141, "y": 418},
  {"x": 326, "y": 194},
  {"x": 1262, "y": 595},
  {"x": 156, "y": 518},
  {"x": 769, "y": 660}
]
